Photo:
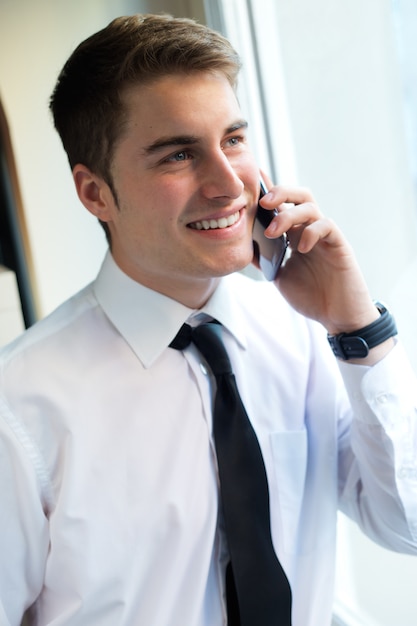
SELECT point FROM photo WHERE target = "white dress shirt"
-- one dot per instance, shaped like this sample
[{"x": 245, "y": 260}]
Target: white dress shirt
[{"x": 108, "y": 482}]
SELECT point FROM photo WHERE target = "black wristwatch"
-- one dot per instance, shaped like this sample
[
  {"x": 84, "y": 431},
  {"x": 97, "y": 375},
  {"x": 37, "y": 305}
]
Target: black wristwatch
[{"x": 356, "y": 345}]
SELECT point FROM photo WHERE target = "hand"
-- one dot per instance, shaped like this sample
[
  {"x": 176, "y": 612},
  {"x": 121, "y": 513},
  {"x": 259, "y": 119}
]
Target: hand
[{"x": 321, "y": 279}]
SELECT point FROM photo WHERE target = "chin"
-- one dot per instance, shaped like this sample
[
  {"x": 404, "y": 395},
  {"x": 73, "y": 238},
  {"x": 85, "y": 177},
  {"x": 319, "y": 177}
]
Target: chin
[{"x": 230, "y": 268}]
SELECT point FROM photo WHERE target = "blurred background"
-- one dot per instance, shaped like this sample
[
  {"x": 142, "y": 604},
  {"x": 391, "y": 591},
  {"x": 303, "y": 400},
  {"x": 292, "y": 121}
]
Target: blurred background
[{"x": 330, "y": 90}]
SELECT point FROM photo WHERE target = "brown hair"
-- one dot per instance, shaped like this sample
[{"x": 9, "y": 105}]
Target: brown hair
[{"x": 87, "y": 103}]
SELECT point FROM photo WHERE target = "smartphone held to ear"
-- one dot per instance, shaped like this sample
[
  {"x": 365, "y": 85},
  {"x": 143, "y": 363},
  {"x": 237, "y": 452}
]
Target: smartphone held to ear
[{"x": 271, "y": 252}]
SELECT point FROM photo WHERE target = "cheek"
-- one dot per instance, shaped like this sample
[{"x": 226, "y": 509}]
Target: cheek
[
  {"x": 248, "y": 170},
  {"x": 171, "y": 195},
  {"x": 253, "y": 170}
]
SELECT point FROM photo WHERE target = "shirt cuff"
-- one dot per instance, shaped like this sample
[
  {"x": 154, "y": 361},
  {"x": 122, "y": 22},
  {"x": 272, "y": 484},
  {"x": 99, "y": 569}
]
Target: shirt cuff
[{"x": 384, "y": 393}]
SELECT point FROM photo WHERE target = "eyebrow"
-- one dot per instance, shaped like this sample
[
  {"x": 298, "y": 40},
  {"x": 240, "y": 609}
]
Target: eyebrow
[{"x": 186, "y": 140}]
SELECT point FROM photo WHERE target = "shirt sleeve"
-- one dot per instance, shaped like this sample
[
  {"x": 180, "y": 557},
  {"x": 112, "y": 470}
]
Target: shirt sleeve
[
  {"x": 378, "y": 452},
  {"x": 23, "y": 523}
]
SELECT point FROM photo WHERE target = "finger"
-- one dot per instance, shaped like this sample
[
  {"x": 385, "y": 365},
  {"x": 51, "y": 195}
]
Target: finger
[
  {"x": 290, "y": 216},
  {"x": 326, "y": 233},
  {"x": 321, "y": 230},
  {"x": 278, "y": 195}
]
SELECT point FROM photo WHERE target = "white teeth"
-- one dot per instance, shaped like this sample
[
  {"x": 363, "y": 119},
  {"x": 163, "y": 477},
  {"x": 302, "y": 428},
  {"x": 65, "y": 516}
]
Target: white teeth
[{"x": 222, "y": 222}]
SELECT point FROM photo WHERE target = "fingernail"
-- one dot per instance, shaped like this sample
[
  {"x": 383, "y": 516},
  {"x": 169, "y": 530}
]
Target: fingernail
[{"x": 271, "y": 230}]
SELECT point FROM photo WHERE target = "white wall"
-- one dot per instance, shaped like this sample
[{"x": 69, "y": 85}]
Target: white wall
[{"x": 36, "y": 38}]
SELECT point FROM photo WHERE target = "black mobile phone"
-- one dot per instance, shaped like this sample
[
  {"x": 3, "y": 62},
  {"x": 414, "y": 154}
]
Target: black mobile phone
[{"x": 271, "y": 252}]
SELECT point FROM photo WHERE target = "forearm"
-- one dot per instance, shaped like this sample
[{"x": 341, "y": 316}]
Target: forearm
[{"x": 378, "y": 465}]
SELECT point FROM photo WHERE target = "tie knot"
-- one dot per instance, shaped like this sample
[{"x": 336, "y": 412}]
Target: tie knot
[{"x": 207, "y": 338}]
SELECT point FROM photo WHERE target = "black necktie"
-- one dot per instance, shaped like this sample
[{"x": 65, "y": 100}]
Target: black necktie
[{"x": 257, "y": 587}]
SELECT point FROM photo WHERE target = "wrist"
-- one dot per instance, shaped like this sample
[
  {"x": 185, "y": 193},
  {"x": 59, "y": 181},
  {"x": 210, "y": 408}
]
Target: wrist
[{"x": 357, "y": 344}]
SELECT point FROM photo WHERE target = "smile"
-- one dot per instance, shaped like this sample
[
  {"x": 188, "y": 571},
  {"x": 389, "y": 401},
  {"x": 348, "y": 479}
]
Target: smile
[{"x": 222, "y": 222}]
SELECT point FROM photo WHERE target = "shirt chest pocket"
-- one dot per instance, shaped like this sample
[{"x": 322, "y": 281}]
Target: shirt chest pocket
[{"x": 289, "y": 452}]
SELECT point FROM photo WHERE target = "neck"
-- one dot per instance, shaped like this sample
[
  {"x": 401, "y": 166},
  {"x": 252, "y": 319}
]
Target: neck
[{"x": 193, "y": 294}]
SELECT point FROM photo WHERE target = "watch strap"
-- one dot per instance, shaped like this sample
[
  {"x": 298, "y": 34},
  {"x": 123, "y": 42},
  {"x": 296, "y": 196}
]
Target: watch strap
[{"x": 356, "y": 345}]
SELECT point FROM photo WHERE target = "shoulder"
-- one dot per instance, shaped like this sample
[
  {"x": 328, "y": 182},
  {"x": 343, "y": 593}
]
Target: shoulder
[{"x": 51, "y": 329}]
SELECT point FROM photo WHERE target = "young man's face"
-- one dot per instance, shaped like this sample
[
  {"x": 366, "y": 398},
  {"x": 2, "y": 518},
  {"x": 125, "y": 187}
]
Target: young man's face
[{"x": 186, "y": 185}]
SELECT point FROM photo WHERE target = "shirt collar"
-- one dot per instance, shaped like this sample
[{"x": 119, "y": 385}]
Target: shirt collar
[{"x": 149, "y": 320}]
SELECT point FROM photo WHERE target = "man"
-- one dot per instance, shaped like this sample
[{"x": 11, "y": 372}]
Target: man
[{"x": 109, "y": 476}]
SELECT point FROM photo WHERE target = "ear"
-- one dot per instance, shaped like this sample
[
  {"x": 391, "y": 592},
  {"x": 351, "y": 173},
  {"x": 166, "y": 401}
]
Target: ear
[{"x": 94, "y": 193}]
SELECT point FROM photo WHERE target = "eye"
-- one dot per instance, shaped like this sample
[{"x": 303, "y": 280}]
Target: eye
[
  {"x": 179, "y": 156},
  {"x": 234, "y": 141}
]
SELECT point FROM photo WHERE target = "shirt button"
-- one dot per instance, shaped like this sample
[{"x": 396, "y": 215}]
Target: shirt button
[{"x": 203, "y": 369}]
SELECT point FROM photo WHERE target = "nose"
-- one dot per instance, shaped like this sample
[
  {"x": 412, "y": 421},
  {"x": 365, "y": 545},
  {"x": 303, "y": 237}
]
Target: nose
[{"x": 219, "y": 179}]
